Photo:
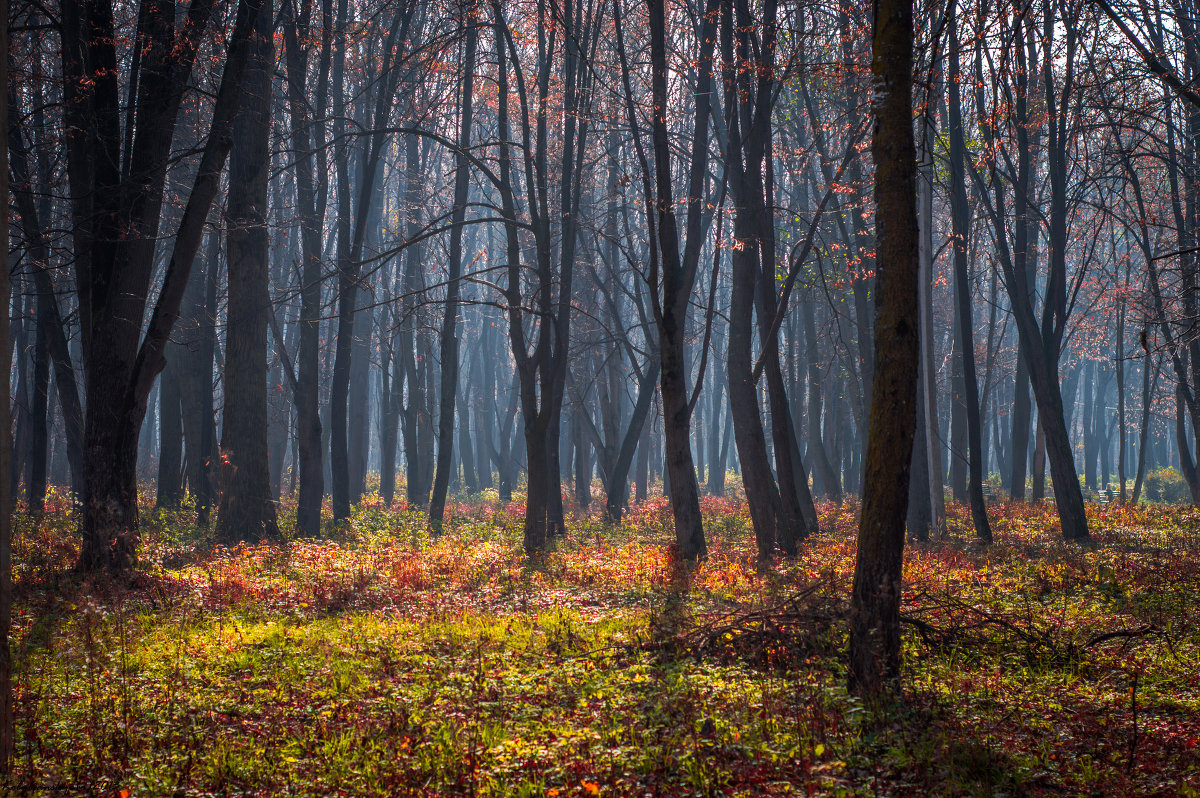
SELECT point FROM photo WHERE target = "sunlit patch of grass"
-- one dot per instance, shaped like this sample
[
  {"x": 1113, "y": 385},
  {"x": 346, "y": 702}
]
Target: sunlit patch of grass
[{"x": 384, "y": 660}]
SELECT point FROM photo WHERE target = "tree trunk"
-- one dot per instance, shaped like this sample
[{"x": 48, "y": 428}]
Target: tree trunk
[
  {"x": 1148, "y": 385},
  {"x": 170, "y": 436},
  {"x": 960, "y": 223},
  {"x": 247, "y": 509},
  {"x": 121, "y": 363},
  {"x": 308, "y": 356},
  {"x": 874, "y": 653},
  {"x": 920, "y": 509},
  {"x": 762, "y": 494},
  {"x": 6, "y": 703},
  {"x": 449, "y": 338},
  {"x": 39, "y": 420}
]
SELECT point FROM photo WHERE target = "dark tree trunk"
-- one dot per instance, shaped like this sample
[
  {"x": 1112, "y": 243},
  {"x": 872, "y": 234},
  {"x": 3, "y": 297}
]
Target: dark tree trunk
[
  {"x": 39, "y": 418},
  {"x": 415, "y": 363},
  {"x": 831, "y": 485},
  {"x": 247, "y": 510},
  {"x": 716, "y": 463},
  {"x": 449, "y": 337},
  {"x": 170, "y": 435},
  {"x": 1148, "y": 385},
  {"x": 308, "y": 356},
  {"x": 957, "y": 465},
  {"x": 118, "y": 234},
  {"x": 350, "y": 241},
  {"x": 6, "y": 696},
  {"x": 920, "y": 509},
  {"x": 874, "y": 654},
  {"x": 762, "y": 495},
  {"x": 960, "y": 223},
  {"x": 50, "y": 323},
  {"x": 678, "y": 276},
  {"x": 617, "y": 493}
]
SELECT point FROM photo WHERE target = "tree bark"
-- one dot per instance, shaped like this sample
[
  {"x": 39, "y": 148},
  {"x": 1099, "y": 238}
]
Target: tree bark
[
  {"x": 449, "y": 338},
  {"x": 308, "y": 355},
  {"x": 874, "y": 652},
  {"x": 960, "y": 225},
  {"x": 170, "y": 437},
  {"x": 6, "y": 702},
  {"x": 247, "y": 510}
]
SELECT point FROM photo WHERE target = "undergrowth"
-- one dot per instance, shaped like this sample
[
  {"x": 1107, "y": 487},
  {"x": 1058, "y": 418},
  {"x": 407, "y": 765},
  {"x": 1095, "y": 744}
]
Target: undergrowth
[{"x": 381, "y": 661}]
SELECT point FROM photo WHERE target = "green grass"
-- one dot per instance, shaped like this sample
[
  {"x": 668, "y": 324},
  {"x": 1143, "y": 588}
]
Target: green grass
[{"x": 379, "y": 661}]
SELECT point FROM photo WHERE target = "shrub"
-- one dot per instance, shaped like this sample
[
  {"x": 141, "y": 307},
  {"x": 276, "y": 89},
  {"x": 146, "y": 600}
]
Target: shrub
[{"x": 1167, "y": 485}]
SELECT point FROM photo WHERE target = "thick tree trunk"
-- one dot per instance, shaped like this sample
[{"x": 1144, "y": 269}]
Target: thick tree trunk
[
  {"x": 6, "y": 702},
  {"x": 762, "y": 494},
  {"x": 536, "y": 533},
  {"x": 121, "y": 364},
  {"x": 247, "y": 510}
]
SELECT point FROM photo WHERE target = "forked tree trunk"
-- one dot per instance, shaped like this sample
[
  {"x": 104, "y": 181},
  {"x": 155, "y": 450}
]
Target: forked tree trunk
[{"x": 122, "y": 364}]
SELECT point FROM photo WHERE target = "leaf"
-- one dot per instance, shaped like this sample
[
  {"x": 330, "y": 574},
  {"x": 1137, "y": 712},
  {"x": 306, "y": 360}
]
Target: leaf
[{"x": 591, "y": 787}]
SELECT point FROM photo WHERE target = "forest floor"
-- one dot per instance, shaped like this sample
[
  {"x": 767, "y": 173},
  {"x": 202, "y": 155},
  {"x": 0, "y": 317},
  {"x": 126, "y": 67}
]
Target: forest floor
[{"x": 380, "y": 661}]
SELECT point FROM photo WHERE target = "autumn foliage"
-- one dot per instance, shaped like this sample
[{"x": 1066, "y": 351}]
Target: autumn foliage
[{"x": 379, "y": 661}]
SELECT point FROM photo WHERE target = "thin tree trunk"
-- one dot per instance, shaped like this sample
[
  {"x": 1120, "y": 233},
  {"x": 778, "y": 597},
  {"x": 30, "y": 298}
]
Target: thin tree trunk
[
  {"x": 874, "y": 652},
  {"x": 308, "y": 356},
  {"x": 960, "y": 216},
  {"x": 1120, "y": 363},
  {"x": 1148, "y": 385},
  {"x": 449, "y": 338},
  {"x": 170, "y": 436}
]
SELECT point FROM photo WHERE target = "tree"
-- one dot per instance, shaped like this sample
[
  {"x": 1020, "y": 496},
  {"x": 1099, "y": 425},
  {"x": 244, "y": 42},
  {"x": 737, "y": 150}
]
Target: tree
[
  {"x": 6, "y": 703},
  {"x": 875, "y": 603},
  {"x": 116, "y": 209},
  {"x": 310, "y": 201},
  {"x": 441, "y": 474},
  {"x": 678, "y": 270},
  {"x": 960, "y": 217},
  {"x": 247, "y": 509}
]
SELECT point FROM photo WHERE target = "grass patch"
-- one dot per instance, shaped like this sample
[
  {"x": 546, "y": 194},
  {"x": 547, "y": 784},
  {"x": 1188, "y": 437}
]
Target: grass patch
[{"x": 381, "y": 661}]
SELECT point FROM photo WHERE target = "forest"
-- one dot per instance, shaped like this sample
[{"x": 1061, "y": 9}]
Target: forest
[{"x": 600, "y": 397}]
